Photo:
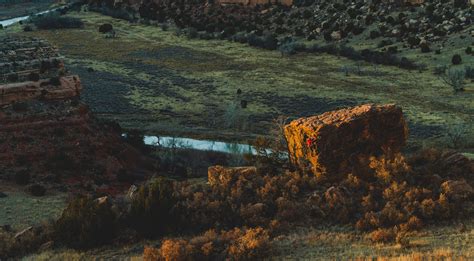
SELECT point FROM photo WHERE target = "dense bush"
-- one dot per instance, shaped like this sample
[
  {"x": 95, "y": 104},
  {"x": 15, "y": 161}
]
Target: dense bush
[
  {"x": 105, "y": 28},
  {"x": 391, "y": 197},
  {"x": 291, "y": 46},
  {"x": 234, "y": 244},
  {"x": 13, "y": 244},
  {"x": 454, "y": 78},
  {"x": 401, "y": 195},
  {"x": 267, "y": 41},
  {"x": 456, "y": 59},
  {"x": 150, "y": 212},
  {"x": 468, "y": 50},
  {"x": 86, "y": 223},
  {"x": 55, "y": 21},
  {"x": 469, "y": 72}
]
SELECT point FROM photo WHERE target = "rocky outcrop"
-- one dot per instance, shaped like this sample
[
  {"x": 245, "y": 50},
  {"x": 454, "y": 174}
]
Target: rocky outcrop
[
  {"x": 28, "y": 59},
  {"x": 49, "y": 136},
  {"x": 332, "y": 144},
  {"x": 56, "y": 89}
]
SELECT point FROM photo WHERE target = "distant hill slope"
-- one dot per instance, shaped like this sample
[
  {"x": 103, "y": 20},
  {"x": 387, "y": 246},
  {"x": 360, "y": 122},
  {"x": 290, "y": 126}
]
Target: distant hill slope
[{"x": 388, "y": 22}]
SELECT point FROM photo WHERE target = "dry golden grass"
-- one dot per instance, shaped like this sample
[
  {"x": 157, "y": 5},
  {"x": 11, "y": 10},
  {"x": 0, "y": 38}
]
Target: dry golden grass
[{"x": 339, "y": 243}]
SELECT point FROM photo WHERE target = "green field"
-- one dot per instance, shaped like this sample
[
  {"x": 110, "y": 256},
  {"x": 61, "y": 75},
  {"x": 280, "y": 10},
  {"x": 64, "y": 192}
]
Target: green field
[
  {"x": 155, "y": 81},
  {"x": 20, "y": 210}
]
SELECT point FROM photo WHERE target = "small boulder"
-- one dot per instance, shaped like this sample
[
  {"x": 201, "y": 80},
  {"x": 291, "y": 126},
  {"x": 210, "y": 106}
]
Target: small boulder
[
  {"x": 3, "y": 195},
  {"x": 333, "y": 143}
]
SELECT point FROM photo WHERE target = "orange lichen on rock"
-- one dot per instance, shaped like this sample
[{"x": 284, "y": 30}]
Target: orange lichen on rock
[{"x": 335, "y": 143}]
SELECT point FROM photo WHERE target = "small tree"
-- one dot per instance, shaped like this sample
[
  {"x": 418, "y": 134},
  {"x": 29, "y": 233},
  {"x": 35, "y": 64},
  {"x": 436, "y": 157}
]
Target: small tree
[{"x": 454, "y": 78}]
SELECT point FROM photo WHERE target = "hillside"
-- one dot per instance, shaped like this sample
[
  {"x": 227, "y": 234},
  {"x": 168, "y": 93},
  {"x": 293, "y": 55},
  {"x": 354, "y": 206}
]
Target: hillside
[{"x": 360, "y": 115}]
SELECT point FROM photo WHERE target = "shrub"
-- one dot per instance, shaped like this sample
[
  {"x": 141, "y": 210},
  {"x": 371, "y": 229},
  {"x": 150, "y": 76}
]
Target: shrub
[
  {"x": 456, "y": 59},
  {"x": 469, "y": 50},
  {"x": 86, "y": 223},
  {"x": 151, "y": 208},
  {"x": 243, "y": 104},
  {"x": 266, "y": 41},
  {"x": 27, "y": 28},
  {"x": 440, "y": 69},
  {"x": 177, "y": 250},
  {"x": 54, "y": 21},
  {"x": 413, "y": 41},
  {"x": 34, "y": 77},
  {"x": 37, "y": 190},
  {"x": 425, "y": 48},
  {"x": 22, "y": 177},
  {"x": 383, "y": 236},
  {"x": 14, "y": 245},
  {"x": 235, "y": 244},
  {"x": 454, "y": 78},
  {"x": 374, "y": 34},
  {"x": 105, "y": 28},
  {"x": 191, "y": 33},
  {"x": 291, "y": 47},
  {"x": 151, "y": 254},
  {"x": 240, "y": 37},
  {"x": 164, "y": 26},
  {"x": 469, "y": 72}
]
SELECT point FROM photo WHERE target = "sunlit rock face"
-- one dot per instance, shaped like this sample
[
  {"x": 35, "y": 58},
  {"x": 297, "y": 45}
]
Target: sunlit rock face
[{"x": 334, "y": 143}]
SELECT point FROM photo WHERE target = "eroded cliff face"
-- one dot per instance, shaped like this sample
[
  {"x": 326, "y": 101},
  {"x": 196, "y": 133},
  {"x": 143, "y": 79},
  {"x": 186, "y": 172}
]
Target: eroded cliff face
[{"x": 48, "y": 136}]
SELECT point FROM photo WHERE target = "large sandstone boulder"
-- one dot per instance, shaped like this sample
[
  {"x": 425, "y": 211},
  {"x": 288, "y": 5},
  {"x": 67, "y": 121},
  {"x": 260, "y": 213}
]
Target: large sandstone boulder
[{"x": 333, "y": 143}]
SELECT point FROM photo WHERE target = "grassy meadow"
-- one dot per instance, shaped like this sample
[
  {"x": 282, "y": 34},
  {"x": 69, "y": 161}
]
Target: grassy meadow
[{"x": 153, "y": 80}]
